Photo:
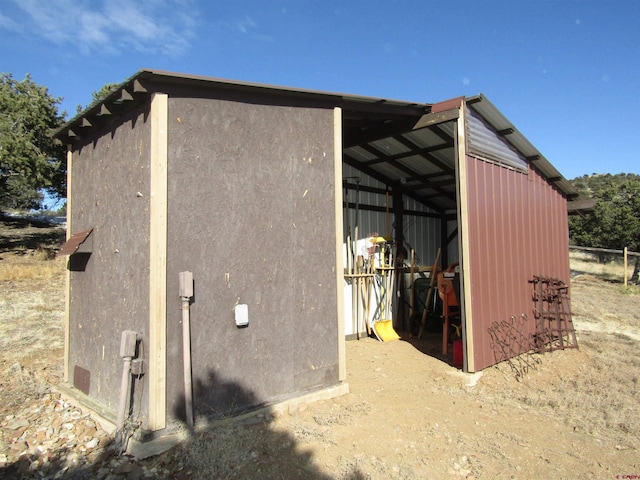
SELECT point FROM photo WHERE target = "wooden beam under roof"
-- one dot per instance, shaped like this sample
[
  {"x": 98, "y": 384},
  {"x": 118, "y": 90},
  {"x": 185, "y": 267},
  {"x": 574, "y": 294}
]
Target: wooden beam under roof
[
  {"x": 427, "y": 151},
  {"x": 430, "y": 119},
  {"x": 138, "y": 87},
  {"x": 394, "y": 161},
  {"x": 381, "y": 178},
  {"x": 125, "y": 96},
  {"x": 581, "y": 206},
  {"x": 381, "y": 157},
  {"x": 431, "y": 184},
  {"x": 358, "y": 132}
]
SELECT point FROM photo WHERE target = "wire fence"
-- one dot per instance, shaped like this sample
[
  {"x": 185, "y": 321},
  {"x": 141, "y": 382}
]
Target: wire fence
[{"x": 613, "y": 265}]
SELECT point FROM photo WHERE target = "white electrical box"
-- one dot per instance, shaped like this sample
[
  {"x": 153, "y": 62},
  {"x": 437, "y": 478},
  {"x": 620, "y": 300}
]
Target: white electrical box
[
  {"x": 186, "y": 284},
  {"x": 242, "y": 315}
]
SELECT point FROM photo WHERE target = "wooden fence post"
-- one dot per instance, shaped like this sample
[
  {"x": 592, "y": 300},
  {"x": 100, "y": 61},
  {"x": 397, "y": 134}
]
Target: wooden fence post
[{"x": 624, "y": 253}]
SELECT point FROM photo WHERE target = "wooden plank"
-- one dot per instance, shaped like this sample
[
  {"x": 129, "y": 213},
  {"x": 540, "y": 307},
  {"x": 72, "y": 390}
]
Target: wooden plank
[
  {"x": 433, "y": 280},
  {"x": 138, "y": 87},
  {"x": 577, "y": 206},
  {"x": 604, "y": 250},
  {"x": 625, "y": 261},
  {"x": 158, "y": 262},
  {"x": 463, "y": 239},
  {"x": 452, "y": 103},
  {"x": 430, "y": 119},
  {"x": 125, "y": 96},
  {"x": 67, "y": 299},
  {"x": 337, "y": 167},
  {"x": 411, "y": 287}
]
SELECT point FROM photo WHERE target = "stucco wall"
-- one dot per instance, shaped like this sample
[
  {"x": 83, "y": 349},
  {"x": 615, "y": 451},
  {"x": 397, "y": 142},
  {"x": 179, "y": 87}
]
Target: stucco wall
[
  {"x": 251, "y": 214},
  {"x": 110, "y": 193}
]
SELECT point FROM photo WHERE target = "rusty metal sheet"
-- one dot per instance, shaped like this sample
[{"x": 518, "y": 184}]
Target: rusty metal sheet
[
  {"x": 447, "y": 105},
  {"x": 72, "y": 245},
  {"x": 82, "y": 379}
]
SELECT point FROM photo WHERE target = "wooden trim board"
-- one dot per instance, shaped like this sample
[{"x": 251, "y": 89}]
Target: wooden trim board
[
  {"x": 158, "y": 262},
  {"x": 67, "y": 299},
  {"x": 337, "y": 156},
  {"x": 463, "y": 239}
]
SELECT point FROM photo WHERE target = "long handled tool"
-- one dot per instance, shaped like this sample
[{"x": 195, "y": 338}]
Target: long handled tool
[
  {"x": 383, "y": 327},
  {"x": 413, "y": 260},
  {"x": 433, "y": 281},
  {"x": 368, "y": 293},
  {"x": 354, "y": 285}
]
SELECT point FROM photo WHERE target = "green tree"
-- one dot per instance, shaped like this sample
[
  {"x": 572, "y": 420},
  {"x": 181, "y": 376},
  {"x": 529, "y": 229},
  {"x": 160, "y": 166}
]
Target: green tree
[
  {"x": 615, "y": 222},
  {"x": 98, "y": 95},
  {"x": 30, "y": 160},
  {"x": 105, "y": 91}
]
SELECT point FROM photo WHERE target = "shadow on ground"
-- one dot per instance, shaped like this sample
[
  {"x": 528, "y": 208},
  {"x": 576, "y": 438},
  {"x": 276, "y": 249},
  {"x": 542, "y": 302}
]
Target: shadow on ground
[
  {"x": 225, "y": 445},
  {"x": 246, "y": 447},
  {"x": 21, "y": 234}
]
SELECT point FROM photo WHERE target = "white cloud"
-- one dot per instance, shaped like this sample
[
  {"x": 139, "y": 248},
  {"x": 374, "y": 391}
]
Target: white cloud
[
  {"x": 246, "y": 24},
  {"x": 112, "y": 26},
  {"x": 9, "y": 24}
]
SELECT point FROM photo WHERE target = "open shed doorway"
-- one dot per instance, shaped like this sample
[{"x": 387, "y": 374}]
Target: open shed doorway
[{"x": 400, "y": 224}]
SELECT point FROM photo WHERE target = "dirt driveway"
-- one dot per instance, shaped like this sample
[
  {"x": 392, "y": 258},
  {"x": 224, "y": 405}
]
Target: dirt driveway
[{"x": 412, "y": 416}]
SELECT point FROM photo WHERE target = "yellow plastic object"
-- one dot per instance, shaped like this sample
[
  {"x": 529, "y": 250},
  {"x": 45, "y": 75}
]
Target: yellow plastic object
[{"x": 384, "y": 331}]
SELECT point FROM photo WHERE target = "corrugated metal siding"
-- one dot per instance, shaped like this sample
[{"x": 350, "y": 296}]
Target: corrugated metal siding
[
  {"x": 485, "y": 143},
  {"x": 518, "y": 228},
  {"x": 421, "y": 233},
  {"x": 368, "y": 221}
]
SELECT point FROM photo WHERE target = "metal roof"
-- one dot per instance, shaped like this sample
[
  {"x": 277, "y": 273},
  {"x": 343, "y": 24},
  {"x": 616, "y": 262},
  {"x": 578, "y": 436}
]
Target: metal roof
[
  {"x": 421, "y": 160},
  {"x": 510, "y": 133},
  {"x": 407, "y": 145}
]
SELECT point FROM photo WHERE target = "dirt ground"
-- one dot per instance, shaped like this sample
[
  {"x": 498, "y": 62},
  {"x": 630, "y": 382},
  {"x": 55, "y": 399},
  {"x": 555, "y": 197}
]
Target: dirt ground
[{"x": 572, "y": 414}]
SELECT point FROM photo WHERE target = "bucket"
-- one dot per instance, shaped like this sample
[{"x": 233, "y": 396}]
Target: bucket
[{"x": 457, "y": 353}]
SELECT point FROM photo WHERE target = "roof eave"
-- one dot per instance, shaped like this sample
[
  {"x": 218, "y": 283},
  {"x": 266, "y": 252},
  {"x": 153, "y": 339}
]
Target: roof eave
[{"x": 135, "y": 87}]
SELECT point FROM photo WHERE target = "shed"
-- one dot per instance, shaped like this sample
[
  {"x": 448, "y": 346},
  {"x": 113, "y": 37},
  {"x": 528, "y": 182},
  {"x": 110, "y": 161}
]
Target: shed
[{"x": 246, "y": 186}]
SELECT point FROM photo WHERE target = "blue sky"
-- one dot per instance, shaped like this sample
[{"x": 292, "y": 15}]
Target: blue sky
[{"x": 566, "y": 73}]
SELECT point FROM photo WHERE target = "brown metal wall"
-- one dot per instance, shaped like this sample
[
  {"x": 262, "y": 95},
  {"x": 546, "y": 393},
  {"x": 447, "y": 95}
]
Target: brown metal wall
[
  {"x": 251, "y": 213},
  {"x": 110, "y": 193},
  {"x": 518, "y": 228}
]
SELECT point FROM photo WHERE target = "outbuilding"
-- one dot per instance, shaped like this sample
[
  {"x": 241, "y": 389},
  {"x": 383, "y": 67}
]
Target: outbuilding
[{"x": 254, "y": 190}]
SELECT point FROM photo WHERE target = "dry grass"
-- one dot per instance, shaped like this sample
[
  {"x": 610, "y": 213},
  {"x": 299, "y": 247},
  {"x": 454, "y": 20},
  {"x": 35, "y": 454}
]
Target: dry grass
[
  {"x": 31, "y": 328},
  {"x": 594, "y": 390},
  {"x": 31, "y": 266},
  {"x": 588, "y": 263},
  {"x": 600, "y": 398}
]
